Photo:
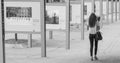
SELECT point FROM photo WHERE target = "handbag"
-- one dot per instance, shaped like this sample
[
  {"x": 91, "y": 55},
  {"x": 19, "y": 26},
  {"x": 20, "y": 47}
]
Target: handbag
[
  {"x": 97, "y": 27},
  {"x": 99, "y": 36}
]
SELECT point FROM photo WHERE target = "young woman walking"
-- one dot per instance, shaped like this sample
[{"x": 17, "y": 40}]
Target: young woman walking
[{"x": 92, "y": 36}]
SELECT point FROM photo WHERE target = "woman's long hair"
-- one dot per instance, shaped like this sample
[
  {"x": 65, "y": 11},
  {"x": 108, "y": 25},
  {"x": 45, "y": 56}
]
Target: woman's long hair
[{"x": 92, "y": 20}]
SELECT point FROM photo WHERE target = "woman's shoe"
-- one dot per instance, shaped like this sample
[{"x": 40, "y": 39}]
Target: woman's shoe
[
  {"x": 91, "y": 58},
  {"x": 96, "y": 58}
]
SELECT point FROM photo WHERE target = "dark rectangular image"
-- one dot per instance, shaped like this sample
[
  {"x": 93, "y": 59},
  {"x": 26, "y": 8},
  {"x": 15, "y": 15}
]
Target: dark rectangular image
[
  {"x": 52, "y": 20},
  {"x": 18, "y": 12}
]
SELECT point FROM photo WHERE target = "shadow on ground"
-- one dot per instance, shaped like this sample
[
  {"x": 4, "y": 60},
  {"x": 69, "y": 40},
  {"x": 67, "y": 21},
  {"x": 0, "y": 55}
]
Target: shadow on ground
[
  {"x": 110, "y": 59},
  {"x": 85, "y": 59}
]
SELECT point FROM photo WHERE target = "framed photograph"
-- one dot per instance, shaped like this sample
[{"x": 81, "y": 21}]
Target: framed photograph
[
  {"x": 56, "y": 17},
  {"x": 22, "y": 16},
  {"x": 19, "y": 12}
]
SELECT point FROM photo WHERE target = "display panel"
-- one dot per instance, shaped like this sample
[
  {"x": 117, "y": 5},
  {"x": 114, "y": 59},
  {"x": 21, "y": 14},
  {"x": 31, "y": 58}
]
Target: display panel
[
  {"x": 56, "y": 17},
  {"x": 22, "y": 16},
  {"x": 25, "y": 16}
]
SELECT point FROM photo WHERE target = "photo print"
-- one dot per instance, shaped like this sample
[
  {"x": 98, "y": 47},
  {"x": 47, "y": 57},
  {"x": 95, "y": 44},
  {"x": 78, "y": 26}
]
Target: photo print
[
  {"x": 52, "y": 17},
  {"x": 22, "y": 12}
]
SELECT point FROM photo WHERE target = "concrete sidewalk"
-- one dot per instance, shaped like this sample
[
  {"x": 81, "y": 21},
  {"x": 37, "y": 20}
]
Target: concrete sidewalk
[{"x": 108, "y": 52}]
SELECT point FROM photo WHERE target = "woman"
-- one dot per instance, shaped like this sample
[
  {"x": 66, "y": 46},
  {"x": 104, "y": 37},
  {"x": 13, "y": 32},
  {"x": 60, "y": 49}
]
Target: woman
[{"x": 92, "y": 35}]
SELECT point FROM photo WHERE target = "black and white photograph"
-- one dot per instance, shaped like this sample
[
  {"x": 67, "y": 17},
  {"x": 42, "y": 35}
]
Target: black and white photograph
[
  {"x": 56, "y": 16},
  {"x": 54, "y": 19},
  {"x": 18, "y": 12},
  {"x": 59, "y": 31},
  {"x": 22, "y": 16}
]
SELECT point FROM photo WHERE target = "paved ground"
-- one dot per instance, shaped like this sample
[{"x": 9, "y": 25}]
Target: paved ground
[{"x": 109, "y": 49}]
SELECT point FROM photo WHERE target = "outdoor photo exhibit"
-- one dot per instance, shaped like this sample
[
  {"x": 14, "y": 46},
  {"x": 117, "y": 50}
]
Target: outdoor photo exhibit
[
  {"x": 76, "y": 9},
  {"x": 56, "y": 17},
  {"x": 76, "y": 12},
  {"x": 22, "y": 16}
]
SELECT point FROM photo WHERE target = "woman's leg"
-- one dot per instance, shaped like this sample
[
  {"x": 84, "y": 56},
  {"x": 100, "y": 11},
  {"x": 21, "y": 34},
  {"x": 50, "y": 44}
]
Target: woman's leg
[
  {"x": 96, "y": 48},
  {"x": 91, "y": 44}
]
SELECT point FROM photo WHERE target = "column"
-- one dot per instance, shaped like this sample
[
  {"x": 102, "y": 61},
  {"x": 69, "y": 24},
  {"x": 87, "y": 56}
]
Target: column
[
  {"x": 112, "y": 11},
  {"x": 101, "y": 10},
  {"x": 68, "y": 24},
  {"x": 2, "y": 45},
  {"x": 29, "y": 40},
  {"x": 119, "y": 9},
  {"x": 93, "y": 6},
  {"x": 115, "y": 10},
  {"x": 82, "y": 19},
  {"x": 107, "y": 11},
  {"x": 43, "y": 28},
  {"x": 16, "y": 39},
  {"x": 50, "y": 34}
]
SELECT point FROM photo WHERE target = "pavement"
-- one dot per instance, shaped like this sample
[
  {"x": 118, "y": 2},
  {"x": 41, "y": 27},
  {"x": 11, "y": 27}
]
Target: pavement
[{"x": 108, "y": 51}]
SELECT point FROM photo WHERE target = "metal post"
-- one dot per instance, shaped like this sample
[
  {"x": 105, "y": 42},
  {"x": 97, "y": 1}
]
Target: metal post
[
  {"x": 115, "y": 10},
  {"x": 29, "y": 40},
  {"x": 112, "y": 10},
  {"x": 50, "y": 34},
  {"x": 107, "y": 11},
  {"x": 119, "y": 9},
  {"x": 16, "y": 38},
  {"x": 2, "y": 34},
  {"x": 93, "y": 6},
  {"x": 68, "y": 24},
  {"x": 82, "y": 19},
  {"x": 101, "y": 10},
  {"x": 43, "y": 28}
]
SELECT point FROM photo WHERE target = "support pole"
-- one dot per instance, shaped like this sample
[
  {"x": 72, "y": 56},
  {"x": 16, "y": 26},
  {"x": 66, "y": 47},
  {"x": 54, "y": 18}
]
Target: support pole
[
  {"x": 2, "y": 34},
  {"x": 101, "y": 11},
  {"x": 115, "y": 10},
  {"x": 82, "y": 19},
  {"x": 119, "y": 9},
  {"x": 43, "y": 28},
  {"x": 50, "y": 34},
  {"x": 16, "y": 37},
  {"x": 16, "y": 40},
  {"x": 68, "y": 24},
  {"x": 29, "y": 40},
  {"x": 112, "y": 11},
  {"x": 107, "y": 11},
  {"x": 93, "y": 6}
]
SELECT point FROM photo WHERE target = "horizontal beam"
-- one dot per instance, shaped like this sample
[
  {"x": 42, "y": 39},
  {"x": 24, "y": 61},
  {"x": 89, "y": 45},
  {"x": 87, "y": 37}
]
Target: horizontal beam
[
  {"x": 22, "y": 0},
  {"x": 24, "y": 32},
  {"x": 113, "y": 0}
]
